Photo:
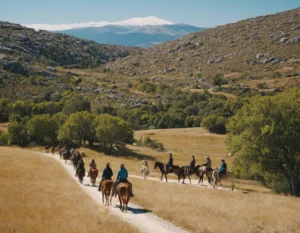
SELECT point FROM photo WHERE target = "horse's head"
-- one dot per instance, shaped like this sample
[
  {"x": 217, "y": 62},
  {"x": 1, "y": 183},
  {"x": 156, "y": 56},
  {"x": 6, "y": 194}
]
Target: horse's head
[{"x": 155, "y": 164}]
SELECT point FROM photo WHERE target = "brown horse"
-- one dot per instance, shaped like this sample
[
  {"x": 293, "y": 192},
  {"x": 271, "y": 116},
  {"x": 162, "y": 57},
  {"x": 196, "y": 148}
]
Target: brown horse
[
  {"x": 93, "y": 175},
  {"x": 52, "y": 150},
  {"x": 175, "y": 169},
  {"x": 228, "y": 176},
  {"x": 123, "y": 190},
  {"x": 106, "y": 187},
  {"x": 186, "y": 171},
  {"x": 81, "y": 174},
  {"x": 75, "y": 158},
  {"x": 202, "y": 170},
  {"x": 47, "y": 148}
]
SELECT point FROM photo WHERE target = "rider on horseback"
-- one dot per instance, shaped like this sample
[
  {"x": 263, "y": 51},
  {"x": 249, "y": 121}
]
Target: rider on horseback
[
  {"x": 207, "y": 164},
  {"x": 93, "y": 165},
  {"x": 106, "y": 175},
  {"x": 222, "y": 169},
  {"x": 145, "y": 162},
  {"x": 122, "y": 178},
  {"x": 80, "y": 166},
  {"x": 169, "y": 164},
  {"x": 192, "y": 164}
]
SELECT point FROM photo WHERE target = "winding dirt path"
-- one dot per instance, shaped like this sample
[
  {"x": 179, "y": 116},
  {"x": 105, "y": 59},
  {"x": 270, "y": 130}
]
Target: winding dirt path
[{"x": 137, "y": 216}]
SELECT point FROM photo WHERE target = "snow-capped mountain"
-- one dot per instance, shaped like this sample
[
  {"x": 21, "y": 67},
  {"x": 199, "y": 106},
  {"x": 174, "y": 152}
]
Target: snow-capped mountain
[{"x": 151, "y": 20}]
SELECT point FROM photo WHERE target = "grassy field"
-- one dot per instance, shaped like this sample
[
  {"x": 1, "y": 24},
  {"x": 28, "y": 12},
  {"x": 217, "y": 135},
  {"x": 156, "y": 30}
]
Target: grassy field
[
  {"x": 37, "y": 195},
  {"x": 210, "y": 210}
]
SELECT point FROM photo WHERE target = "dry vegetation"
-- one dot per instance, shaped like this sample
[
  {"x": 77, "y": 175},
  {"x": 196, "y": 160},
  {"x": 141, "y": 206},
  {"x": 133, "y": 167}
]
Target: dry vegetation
[
  {"x": 210, "y": 210},
  {"x": 38, "y": 196}
]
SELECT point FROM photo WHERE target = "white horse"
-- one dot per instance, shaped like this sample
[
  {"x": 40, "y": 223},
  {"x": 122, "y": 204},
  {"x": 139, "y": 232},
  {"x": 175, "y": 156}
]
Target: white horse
[{"x": 145, "y": 171}]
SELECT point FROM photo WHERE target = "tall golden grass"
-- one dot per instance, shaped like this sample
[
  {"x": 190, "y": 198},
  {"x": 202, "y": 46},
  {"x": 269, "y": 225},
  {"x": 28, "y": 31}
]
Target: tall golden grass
[
  {"x": 37, "y": 195},
  {"x": 211, "y": 210}
]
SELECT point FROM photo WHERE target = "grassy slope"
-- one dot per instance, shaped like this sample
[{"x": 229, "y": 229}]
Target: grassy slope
[{"x": 38, "y": 196}]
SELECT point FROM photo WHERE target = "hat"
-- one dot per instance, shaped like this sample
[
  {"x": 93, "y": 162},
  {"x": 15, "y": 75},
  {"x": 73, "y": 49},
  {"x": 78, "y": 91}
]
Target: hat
[
  {"x": 193, "y": 156},
  {"x": 122, "y": 165},
  {"x": 170, "y": 154},
  {"x": 207, "y": 157},
  {"x": 107, "y": 164},
  {"x": 222, "y": 160}
]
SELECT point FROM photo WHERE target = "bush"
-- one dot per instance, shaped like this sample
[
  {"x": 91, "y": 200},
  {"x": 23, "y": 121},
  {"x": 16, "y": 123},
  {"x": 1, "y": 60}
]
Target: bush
[
  {"x": 215, "y": 124},
  {"x": 3, "y": 138}
]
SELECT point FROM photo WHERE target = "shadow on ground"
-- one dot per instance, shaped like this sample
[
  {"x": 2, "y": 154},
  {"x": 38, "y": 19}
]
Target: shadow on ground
[
  {"x": 122, "y": 152},
  {"x": 136, "y": 210}
]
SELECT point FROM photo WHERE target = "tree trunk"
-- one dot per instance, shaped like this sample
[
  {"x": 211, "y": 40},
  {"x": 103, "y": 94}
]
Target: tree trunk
[{"x": 295, "y": 186}]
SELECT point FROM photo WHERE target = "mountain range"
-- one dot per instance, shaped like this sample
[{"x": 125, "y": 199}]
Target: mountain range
[
  {"x": 141, "y": 36},
  {"x": 141, "y": 32}
]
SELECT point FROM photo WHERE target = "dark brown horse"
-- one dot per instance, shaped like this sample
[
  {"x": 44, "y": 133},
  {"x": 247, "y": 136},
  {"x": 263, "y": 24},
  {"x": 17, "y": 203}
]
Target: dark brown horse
[
  {"x": 186, "y": 171},
  {"x": 123, "y": 190},
  {"x": 106, "y": 187},
  {"x": 93, "y": 175},
  {"x": 175, "y": 169},
  {"x": 202, "y": 170},
  {"x": 81, "y": 174}
]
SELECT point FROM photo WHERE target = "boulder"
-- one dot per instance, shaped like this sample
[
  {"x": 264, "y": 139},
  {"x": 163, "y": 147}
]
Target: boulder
[{"x": 283, "y": 40}]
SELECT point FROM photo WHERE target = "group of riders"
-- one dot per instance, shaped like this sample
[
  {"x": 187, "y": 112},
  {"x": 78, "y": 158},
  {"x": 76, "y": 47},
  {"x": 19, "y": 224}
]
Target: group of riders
[
  {"x": 122, "y": 175},
  {"x": 191, "y": 168}
]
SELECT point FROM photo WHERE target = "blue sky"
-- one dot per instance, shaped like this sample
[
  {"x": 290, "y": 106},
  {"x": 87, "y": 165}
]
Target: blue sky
[{"x": 206, "y": 13}]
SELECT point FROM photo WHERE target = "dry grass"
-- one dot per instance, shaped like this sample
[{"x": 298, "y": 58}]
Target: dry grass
[
  {"x": 37, "y": 195},
  {"x": 4, "y": 127},
  {"x": 210, "y": 210}
]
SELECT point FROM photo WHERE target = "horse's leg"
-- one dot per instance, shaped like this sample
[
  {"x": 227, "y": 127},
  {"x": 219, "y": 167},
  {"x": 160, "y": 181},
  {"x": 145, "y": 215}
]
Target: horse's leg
[
  {"x": 103, "y": 196},
  {"x": 166, "y": 177},
  {"x": 162, "y": 174},
  {"x": 120, "y": 200},
  {"x": 179, "y": 178},
  {"x": 190, "y": 179},
  {"x": 183, "y": 179}
]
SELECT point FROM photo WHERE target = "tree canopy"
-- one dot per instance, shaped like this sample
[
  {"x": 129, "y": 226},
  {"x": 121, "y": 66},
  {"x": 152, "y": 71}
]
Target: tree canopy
[{"x": 265, "y": 132}]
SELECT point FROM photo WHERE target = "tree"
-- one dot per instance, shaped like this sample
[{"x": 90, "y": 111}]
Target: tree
[
  {"x": 112, "y": 130},
  {"x": 5, "y": 110},
  {"x": 17, "y": 132},
  {"x": 43, "y": 129},
  {"x": 266, "y": 131},
  {"x": 214, "y": 124},
  {"x": 78, "y": 127}
]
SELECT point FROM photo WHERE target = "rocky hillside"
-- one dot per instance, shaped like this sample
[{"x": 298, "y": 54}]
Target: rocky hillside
[
  {"x": 250, "y": 49},
  {"x": 56, "y": 49}
]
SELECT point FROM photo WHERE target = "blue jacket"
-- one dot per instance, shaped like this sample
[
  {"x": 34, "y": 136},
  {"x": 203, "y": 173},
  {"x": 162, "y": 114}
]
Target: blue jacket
[
  {"x": 223, "y": 167},
  {"x": 122, "y": 174}
]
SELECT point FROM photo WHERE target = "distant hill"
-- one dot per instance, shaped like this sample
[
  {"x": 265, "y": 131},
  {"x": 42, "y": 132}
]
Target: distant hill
[
  {"x": 56, "y": 49},
  {"x": 265, "y": 47},
  {"x": 142, "y": 36}
]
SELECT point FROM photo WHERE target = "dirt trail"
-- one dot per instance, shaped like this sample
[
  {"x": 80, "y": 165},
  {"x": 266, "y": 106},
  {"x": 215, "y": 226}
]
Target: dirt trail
[{"x": 137, "y": 216}]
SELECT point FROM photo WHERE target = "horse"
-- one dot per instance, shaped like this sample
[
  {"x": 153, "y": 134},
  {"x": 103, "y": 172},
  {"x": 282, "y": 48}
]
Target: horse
[
  {"x": 66, "y": 156},
  {"x": 106, "y": 187},
  {"x": 61, "y": 152},
  {"x": 93, "y": 175},
  {"x": 186, "y": 171},
  {"x": 227, "y": 176},
  {"x": 52, "y": 150},
  {"x": 123, "y": 191},
  {"x": 81, "y": 174},
  {"x": 175, "y": 169},
  {"x": 47, "y": 148},
  {"x": 202, "y": 170},
  {"x": 145, "y": 171}
]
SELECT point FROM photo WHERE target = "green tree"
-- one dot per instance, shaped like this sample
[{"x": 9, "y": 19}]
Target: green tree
[
  {"x": 112, "y": 130},
  {"x": 215, "y": 124},
  {"x": 78, "y": 127},
  {"x": 5, "y": 110},
  {"x": 43, "y": 129},
  {"x": 17, "y": 132},
  {"x": 266, "y": 131}
]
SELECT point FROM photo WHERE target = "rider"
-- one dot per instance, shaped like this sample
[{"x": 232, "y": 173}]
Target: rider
[
  {"x": 80, "y": 166},
  {"x": 145, "y": 162},
  {"x": 192, "y": 164},
  {"x": 207, "y": 163},
  {"x": 106, "y": 175},
  {"x": 222, "y": 169},
  {"x": 122, "y": 178},
  {"x": 92, "y": 165},
  {"x": 169, "y": 164}
]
